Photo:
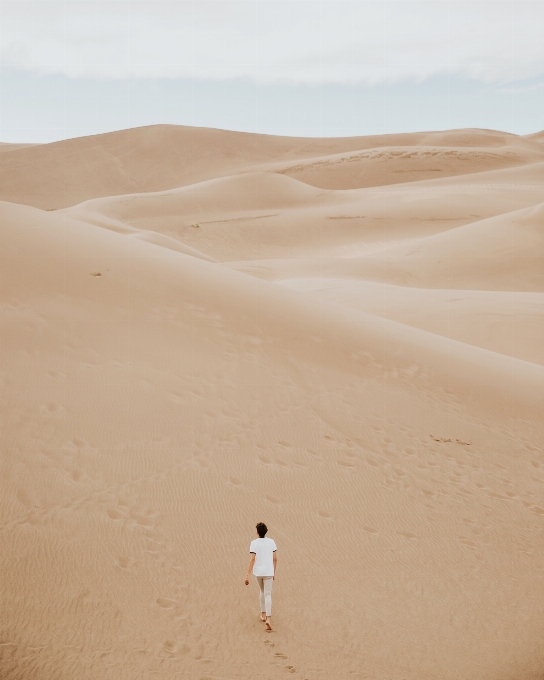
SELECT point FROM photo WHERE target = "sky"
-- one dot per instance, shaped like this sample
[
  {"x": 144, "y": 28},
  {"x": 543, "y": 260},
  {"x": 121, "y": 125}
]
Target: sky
[{"x": 297, "y": 67}]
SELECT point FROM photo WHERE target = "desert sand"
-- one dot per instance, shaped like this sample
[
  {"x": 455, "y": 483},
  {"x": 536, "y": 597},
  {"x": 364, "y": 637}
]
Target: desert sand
[{"x": 342, "y": 338}]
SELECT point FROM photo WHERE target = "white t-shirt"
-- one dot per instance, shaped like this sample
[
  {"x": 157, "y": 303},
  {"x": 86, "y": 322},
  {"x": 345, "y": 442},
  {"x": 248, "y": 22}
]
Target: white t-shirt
[{"x": 264, "y": 549}]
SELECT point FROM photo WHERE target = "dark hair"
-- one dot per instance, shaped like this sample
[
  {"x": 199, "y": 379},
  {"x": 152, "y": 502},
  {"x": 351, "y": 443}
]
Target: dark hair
[{"x": 261, "y": 529}]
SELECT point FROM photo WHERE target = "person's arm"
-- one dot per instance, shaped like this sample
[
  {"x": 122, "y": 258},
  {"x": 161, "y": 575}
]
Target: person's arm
[
  {"x": 251, "y": 563},
  {"x": 275, "y": 562}
]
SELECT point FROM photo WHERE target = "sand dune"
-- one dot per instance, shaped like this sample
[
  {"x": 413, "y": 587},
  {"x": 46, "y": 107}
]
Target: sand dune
[
  {"x": 500, "y": 253},
  {"x": 394, "y": 165},
  {"x": 160, "y": 157},
  {"x": 362, "y": 369},
  {"x": 502, "y": 321},
  {"x": 537, "y": 137},
  {"x": 154, "y": 158},
  {"x": 13, "y": 147},
  {"x": 262, "y": 215}
]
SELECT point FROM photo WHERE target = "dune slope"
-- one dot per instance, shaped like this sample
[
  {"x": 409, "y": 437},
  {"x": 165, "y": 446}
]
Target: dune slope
[
  {"x": 508, "y": 322},
  {"x": 266, "y": 215},
  {"x": 361, "y": 369},
  {"x": 159, "y": 157}
]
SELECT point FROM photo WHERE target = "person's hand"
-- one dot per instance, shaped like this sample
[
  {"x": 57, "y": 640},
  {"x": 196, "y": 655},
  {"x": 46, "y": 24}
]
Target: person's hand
[{"x": 246, "y": 581}]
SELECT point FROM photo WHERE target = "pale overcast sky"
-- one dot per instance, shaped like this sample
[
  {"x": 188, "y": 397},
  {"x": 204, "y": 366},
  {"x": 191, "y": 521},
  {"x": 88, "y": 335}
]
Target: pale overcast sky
[{"x": 294, "y": 67}]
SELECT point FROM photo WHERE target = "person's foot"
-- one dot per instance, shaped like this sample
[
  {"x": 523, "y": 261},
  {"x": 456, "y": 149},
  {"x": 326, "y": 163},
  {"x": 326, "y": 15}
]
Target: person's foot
[
  {"x": 263, "y": 616},
  {"x": 268, "y": 623}
]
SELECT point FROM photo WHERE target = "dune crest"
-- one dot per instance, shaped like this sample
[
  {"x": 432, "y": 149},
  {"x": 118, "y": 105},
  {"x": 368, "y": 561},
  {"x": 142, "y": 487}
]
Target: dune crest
[{"x": 161, "y": 157}]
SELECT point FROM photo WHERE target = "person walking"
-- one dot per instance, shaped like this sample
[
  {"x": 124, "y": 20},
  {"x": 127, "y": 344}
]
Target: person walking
[{"x": 263, "y": 563}]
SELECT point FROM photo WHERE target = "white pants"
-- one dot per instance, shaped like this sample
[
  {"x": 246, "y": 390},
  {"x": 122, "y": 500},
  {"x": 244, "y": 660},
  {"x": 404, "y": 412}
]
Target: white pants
[{"x": 265, "y": 593}]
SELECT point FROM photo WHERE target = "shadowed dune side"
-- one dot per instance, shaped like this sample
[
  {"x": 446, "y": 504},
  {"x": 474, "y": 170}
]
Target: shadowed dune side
[
  {"x": 170, "y": 243},
  {"x": 64, "y": 239},
  {"x": 154, "y": 158},
  {"x": 395, "y": 165},
  {"x": 146, "y": 159},
  {"x": 245, "y": 192},
  {"x": 536, "y": 137},
  {"x": 502, "y": 321},
  {"x": 312, "y": 233},
  {"x": 265, "y": 215},
  {"x": 502, "y": 253},
  {"x": 161, "y": 157},
  {"x": 414, "y": 457},
  {"x": 251, "y": 213}
]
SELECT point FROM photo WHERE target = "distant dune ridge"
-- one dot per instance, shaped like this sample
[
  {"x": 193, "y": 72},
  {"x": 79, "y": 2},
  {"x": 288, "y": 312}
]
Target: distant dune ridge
[
  {"x": 204, "y": 329},
  {"x": 162, "y": 157}
]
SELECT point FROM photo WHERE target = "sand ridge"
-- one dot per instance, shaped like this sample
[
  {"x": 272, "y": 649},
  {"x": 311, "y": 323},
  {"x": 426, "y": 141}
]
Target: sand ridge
[
  {"x": 359, "y": 367},
  {"x": 159, "y": 157}
]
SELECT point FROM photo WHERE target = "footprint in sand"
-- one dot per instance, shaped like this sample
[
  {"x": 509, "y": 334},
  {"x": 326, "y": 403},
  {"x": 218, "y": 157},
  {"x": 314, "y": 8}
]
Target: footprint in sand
[
  {"x": 499, "y": 496},
  {"x": 289, "y": 668},
  {"x": 406, "y": 534},
  {"x": 324, "y": 515},
  {"x": 165, "y": 603},
  {"x": 24, "y": 498},
  {"x": 315, "y": 456},
  {"x": 52, "y": 409},
  {"x": 113, "y": 513},
  {"x": 370, "y": 530}
]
